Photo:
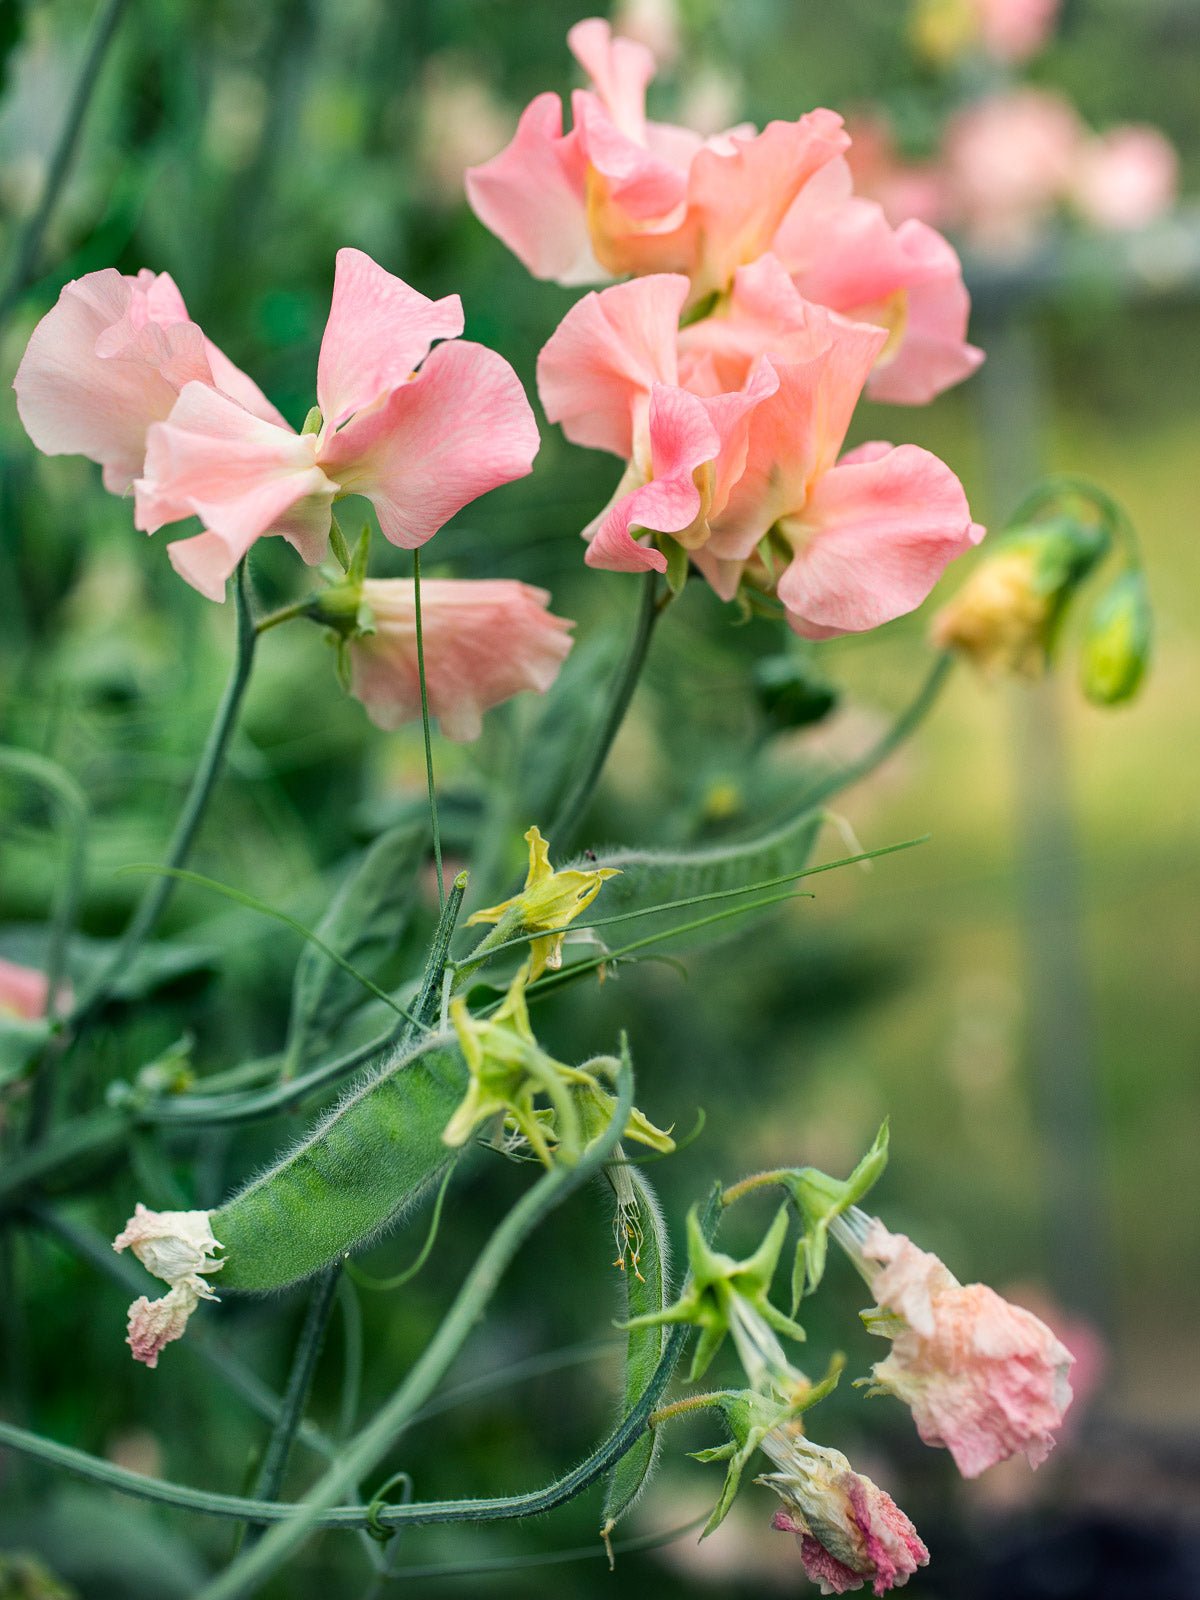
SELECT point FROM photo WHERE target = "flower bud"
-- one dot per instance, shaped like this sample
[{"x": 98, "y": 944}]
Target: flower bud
[
  {"x": 1116, "y": 646},
  {"x": 1007, "y": 614}
]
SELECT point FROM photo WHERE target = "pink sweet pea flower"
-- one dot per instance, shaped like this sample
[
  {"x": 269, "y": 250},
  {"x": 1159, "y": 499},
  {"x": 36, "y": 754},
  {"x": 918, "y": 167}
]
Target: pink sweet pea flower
[
  {"x": 419, "y": 444},
  {"x": 179, "y": 1247},
  {"x": 1014, "y": 30},
  {"x": 1010, "y": 160},
  {"x": 620, "y": 194},
  {"x": 23, "y": 992},
  {"x": 109, "y": 360},
  {"x": 842, "y": 253},
  {"x": 849, "y": 1530},
  {"x": 485, "y": 640},
  {"x": 984, "y": 1378},
  {"x": 1126, "y": 178}
]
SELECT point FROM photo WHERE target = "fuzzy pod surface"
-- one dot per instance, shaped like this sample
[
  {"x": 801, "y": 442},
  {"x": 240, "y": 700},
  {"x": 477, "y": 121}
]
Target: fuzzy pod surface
[{"x": 352, "y": 1176}]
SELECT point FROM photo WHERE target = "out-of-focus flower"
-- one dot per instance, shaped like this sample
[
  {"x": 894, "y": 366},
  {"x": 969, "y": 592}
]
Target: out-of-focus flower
[
  {"x": 1014, "y": 30},
  {"x": 984, "y": 1378},
  {"x": 1126, "y": 178},
  {"x": 547, "y": 905},
  {"x": 485, "y": 641},
  {"x": 849, "y": 1530},
  {"x": 179, "y": 1247},
  {"x": 1009, "y": 160},
  {"x": 1006, "y": 616},
  {"x": 109, "y": 360},
  {"x": 461, "y": 123},
  {"x": 653, "y": 23},
  {"x": 23, "y": 991},
  {"x": 619, "y": 194},
  {"x": 419, "y": 444},
  {"x": 1116, "y": 645},
  {"x": 904, "y": 189}
]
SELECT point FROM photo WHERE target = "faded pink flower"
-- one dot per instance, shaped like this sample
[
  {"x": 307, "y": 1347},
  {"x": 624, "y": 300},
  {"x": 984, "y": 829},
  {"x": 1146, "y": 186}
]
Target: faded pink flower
[
  {"x": 1010, "y": 158},
  {"x": 620, "y": 194},
  {"x": 842, "y": 252},
  {"x": 1126, "y": 178},
  {"x": 23, "y": 991},
  {"x": 984, "y": 1378},
  {"x": 109, "y": 360},
  {"x": 485, "y": 640},
  {"x": 1014, "y": 30},
  {"x": 849, "y": 1530},
  {"x": 179, "y": 1247},
  {"x": 419, "y": 444}
]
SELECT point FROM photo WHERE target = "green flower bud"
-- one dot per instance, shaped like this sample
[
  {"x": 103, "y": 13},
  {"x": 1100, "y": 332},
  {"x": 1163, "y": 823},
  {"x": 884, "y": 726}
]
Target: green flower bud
[{"x": 1116, "y": 646}]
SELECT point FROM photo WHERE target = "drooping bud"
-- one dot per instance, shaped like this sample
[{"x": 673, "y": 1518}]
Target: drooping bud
[
  {"x": 1116, "y": 646},
  {"x": 547, "y": 904},
  {"x": 177, "y": 1246},
  {"x": 1006, "y": 616}
]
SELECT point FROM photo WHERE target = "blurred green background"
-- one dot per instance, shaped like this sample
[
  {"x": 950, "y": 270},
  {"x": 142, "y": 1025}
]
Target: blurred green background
[{"x": 238, "y": 147}]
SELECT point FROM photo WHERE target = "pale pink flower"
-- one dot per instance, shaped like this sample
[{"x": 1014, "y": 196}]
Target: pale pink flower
[
  {"x": 842, "y": 253},
  {"x": 1014, "y": 30},
  {"x": 109, "y": 360},
  {"x": 984, "y": 1378},
  {"x": 1126, "y": 178},
  {"x": 620, "y": 194},
  {"x": 904, "y": 189},
  {"x": 485, "y": 640},
  {"x": 179, "y": 1247},
  {"x": 23, "y": 992},
  {"x": 420, "y": 444},
  {"x": 1010, "y": 159},
  {"x": 849, "y": 1530}
]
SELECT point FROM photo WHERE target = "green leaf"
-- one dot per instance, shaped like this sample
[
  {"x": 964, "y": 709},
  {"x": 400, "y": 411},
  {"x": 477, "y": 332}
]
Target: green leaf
[
  {"x": 647, "y": 1284},
  {"x": 650, "y": 878},
  {"x": 365, "y": 922}
]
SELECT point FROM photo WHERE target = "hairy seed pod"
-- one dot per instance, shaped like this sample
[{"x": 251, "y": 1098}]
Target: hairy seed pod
[{"x": 354, "y": 1175}]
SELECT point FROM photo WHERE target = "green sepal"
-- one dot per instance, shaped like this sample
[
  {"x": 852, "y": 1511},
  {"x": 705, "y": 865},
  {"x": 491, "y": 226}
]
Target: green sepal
[
  {"x": 704, "y": 307},
  {"x": 313, "y": 421},
  {"x": 678, "y": 562},
  {"x": 356, "y": 567},
  {"x": 819, "y": 1198},
  {"x": 337, "y": 543},
  {"x": 343, "y": 665}
]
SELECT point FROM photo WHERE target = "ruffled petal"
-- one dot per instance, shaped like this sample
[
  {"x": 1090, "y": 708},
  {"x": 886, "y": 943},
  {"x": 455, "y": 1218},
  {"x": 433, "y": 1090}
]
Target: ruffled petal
[
  {"x": 462, "y": 426},
  {"x": 378, "y": 331},
  {"x": 620, "y": 70}
]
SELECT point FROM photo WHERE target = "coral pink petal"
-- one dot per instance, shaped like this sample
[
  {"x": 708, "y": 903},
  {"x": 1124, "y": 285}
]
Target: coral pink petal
[
  {"x": 766, "y": 315},
  {"x": 462, "y": 426},
  {"x": 378, "y": 331},
  {"x": 933, "y": 352},
  {"x": 648, "y": 191},
  {"x": 23, "y": 991},
  {"x": 596, "y": 370},
  {"x": 532, "y": 197},
  {"x": 739, "y": 200},
  {"x": 620, "y": 69},
  {"x": 484, "y": 641},
  {"x": 75, "y": 402},
  {"x": 876, "y": 536}
]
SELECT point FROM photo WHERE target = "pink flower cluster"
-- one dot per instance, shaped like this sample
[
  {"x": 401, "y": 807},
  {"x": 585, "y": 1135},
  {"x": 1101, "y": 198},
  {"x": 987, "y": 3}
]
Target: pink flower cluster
[
  {"x": 795, "y": 297},
  {"x": 982, "y": 1377},
  {"x": 119, "y": 373}
]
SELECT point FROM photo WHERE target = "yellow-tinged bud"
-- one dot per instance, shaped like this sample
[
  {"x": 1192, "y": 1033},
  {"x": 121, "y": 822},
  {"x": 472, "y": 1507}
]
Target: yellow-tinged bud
[
  {"x": 547, "y": 904},
  {"x": 1005, "y": 617},
  {"x": 1116, "y": 647}
]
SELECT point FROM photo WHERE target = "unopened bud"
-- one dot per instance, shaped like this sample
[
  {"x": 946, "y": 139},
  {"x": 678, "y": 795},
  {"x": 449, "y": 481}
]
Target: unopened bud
[{"x": 1116, "y": 646}]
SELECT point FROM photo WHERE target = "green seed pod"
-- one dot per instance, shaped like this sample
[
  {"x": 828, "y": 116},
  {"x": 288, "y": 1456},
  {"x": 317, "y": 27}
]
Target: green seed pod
[
  {"x": 353, "y": 1176},
  {"x": 1116, "y": 646}
]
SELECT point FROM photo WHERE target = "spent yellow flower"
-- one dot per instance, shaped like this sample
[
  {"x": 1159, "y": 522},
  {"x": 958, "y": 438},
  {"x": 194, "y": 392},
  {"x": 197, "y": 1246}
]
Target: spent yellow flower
[{"x": 547, "y": 904}]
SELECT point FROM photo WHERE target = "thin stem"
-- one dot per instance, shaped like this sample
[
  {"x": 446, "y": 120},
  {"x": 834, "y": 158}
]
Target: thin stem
[
  {"x": 691, "y": 1402},
  {"x": 295, "y": 1396},
  {"x": 30, "y": 248},
  {"x": 429, "y": 997},
  {"x": 371, "y": 1444},
  {"x": 433, "y": 810},
  {"x": 1113, "y": 513},
  {"x": 352, "y": 1356},
  {"x": 156, "y": 896},
  {"x": 298, "y": 608},
  {"x": 386, "y": 1285},
  {"x": 574, "y": 807},
  {"x": 905, "y": 725},
  {"x": 760, "y": 1180}
]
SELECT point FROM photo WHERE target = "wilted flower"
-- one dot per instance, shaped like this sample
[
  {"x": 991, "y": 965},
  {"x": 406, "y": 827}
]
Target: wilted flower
[
  {"x": 849, "y": 1529},
  {"x": 419, "y": 444},
  {"x": 109, "y": 360},
  {"x": 548, "y": 904},
  {"x": 484, "y": 641},
  {"x": 984, "y": 1378},
  {"x": 179, "y": 1247}
]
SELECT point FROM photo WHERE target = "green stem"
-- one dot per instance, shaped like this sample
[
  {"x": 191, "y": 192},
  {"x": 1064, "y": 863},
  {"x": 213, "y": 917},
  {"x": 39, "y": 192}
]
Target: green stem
[
  {"x": 372, "y": 1443},
  {"x": 905, "y": 725},
  {"x": 30, "y": 248},
  {"x": 298, "y": 608},
  {"x": 433, "y": 810},
  {"x": 295, "y": 1396},
  {"x": 1112, "y": 513},
  {"x": 186, "y": 828},
  {"x": 759, "y": 1180},
  {"x": 574, "y": 807}
]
